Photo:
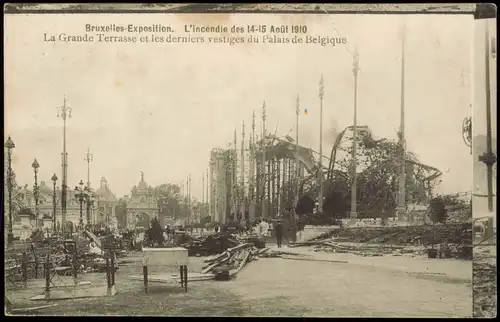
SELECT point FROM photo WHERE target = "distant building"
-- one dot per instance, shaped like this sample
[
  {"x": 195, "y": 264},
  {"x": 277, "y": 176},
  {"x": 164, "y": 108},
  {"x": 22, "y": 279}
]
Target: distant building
[
  {"x": 46, "y": 206},
  {"x": 142, "y": 206},
  {"x": 106, "y": 205}
]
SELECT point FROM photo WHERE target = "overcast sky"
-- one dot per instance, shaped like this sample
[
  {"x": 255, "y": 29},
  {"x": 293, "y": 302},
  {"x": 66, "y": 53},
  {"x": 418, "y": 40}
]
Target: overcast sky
[{"x": 161, "y": 108}]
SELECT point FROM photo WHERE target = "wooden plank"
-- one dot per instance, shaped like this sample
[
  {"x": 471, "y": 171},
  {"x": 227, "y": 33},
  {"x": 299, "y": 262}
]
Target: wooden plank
[
  {"x": 313, "y": 259},
  {"x": 209, "y": 267},
  {"x": 242, "y": 263},
  {"x": 239, "y": 247}
]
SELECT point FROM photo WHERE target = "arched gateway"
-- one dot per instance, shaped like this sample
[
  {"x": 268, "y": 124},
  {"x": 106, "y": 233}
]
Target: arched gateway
[{"x": 141, "y": 206}]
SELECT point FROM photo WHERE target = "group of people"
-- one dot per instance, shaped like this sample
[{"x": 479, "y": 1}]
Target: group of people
[{"x": 264, "y": 228}]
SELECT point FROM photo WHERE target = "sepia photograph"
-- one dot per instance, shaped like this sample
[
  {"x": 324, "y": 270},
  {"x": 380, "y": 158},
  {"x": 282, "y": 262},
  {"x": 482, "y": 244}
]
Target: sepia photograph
[
  {"x": 247, "y": 163},
  {"x": 484, "y": 151}
]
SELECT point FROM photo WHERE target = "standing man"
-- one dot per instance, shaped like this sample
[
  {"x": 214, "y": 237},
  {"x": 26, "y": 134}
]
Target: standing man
[{"x": 278, "y": 227}]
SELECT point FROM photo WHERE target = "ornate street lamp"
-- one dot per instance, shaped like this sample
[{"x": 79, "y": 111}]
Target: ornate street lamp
[
  {"x": 81, "y": 195},
  {"x": 64, "y": 112},
  {"x": 489, "y": 158},
  {"x": 89, "y": 199},
  {"x": 9, "y": 144},
  {"x": 35, "y": 167},
  {"x": 54, "y": 203}
]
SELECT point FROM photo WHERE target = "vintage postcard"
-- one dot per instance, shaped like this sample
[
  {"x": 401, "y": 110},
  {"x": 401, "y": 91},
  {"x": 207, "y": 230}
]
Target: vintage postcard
[
  {"x": 484, "y": 151},
  {"x": 242, "y": 160}
]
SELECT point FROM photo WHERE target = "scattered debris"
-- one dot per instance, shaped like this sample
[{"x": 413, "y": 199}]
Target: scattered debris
[
  {"x": 449, "y": 241},
  {"x": 484, "y": 282},
  {"x": 312, "y": 259},
  {"x": 454, "y": 233},
  {"x": 24, "y": 260},
  {"x": 207, "y": 245},
  {"x": 226, "y": 265}
]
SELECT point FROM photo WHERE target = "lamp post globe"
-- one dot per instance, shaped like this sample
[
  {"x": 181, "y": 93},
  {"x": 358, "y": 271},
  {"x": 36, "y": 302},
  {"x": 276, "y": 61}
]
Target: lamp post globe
[
  {"x": 35, "y": 165},
  {"x": 9, "y": 144}
]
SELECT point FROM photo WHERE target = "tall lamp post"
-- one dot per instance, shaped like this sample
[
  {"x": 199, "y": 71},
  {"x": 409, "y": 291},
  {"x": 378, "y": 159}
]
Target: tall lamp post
[
  {"x": 64, "y": 112},
  {"x": 54, "y": 202},
  {"x": 89, "y": 200},
  {"x": 488, "y": 158},
  {"x": 9, "y": 144},
  {"x": 81, "y": 195},
  {"x": 35, "y": 167},
  {"x": 401, "y": 205}
]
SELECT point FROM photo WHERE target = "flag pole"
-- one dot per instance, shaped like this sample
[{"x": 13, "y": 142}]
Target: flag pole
[
  {"x": 253, "y": 170},
  {"x": 234, "y": 174},
  {"x": 354, "y": 214},
  {"x": 297, "y": 171},
  {"x": 209, "y": 213},
  {"x": 242, "y": 165},
  {"x": 263, "y": 175},
  {"x": 401, "y": 209}
]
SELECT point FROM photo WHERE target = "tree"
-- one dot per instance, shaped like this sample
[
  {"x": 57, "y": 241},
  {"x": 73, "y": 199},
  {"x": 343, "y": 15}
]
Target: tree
[
  {"x": 305, "y": 205},
  {"x": 438, "y": 210},
  {"x": 458, "y": 210},
  {"x": 446, "y": 207},
  {"x": 170, "y": 200}
]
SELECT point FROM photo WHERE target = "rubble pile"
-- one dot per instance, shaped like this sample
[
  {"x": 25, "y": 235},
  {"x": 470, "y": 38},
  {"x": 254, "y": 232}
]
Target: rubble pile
[
  {"x": 227, "y": 264},
  {"x": 207, "y": 245},
  {"x": 484, "y": 282},
  {"x": 362, "y": 249},
  {"x": 85, "y": 260},
  {"x": 457, "y": 233},
  {"x": 449, "y": 241},
  {"x": 216, "y": 243}
]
